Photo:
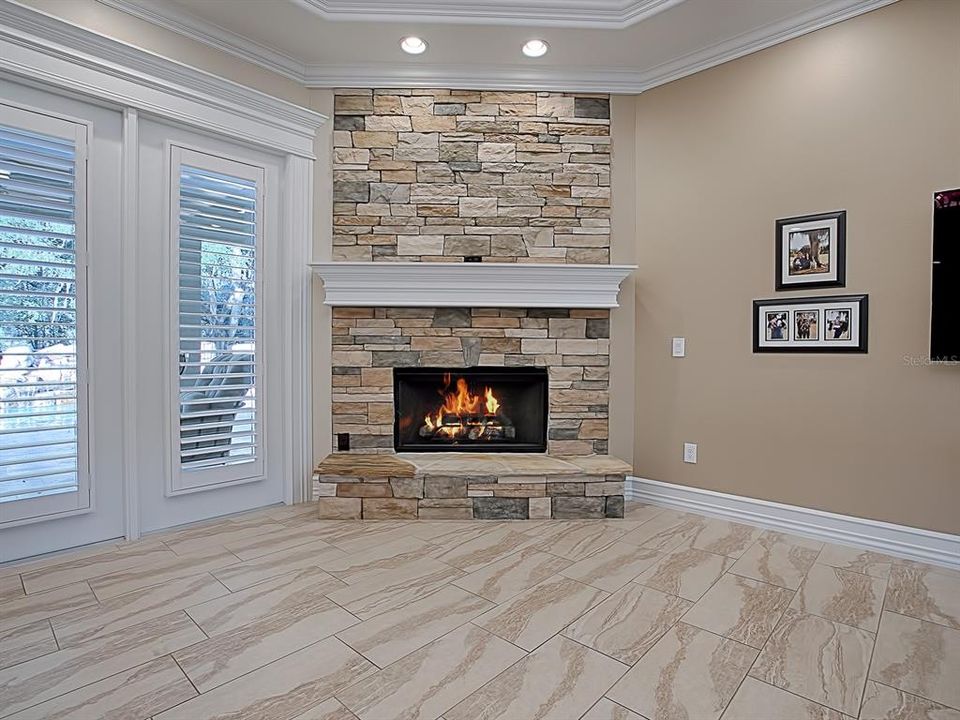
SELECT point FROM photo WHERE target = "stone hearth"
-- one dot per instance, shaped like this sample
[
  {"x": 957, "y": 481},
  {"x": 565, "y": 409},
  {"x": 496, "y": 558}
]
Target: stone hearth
[{"x": 484, "y": 486}]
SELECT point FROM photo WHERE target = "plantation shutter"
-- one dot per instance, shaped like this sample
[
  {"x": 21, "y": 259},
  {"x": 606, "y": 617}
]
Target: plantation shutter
[
  {"x": 218, "y": 293},
  {"x": 40, "y": 451}
]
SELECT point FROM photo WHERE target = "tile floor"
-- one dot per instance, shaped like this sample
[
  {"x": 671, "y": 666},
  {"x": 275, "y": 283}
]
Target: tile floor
[{"x": 663, "y": 615}]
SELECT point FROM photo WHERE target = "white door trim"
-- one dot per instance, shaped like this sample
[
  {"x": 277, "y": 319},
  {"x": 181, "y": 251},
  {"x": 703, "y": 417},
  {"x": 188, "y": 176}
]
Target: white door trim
[{"x": 898, "y": 540}]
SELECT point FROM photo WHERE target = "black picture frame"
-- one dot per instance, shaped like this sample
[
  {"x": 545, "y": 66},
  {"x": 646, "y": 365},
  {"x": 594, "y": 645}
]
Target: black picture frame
[
  {"x": 821, "y": 304},
  {"x": 838, "y": 251}
]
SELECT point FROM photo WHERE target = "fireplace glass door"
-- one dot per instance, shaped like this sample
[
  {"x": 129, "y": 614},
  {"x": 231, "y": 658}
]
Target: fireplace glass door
[{"x": 484, "y": 409}]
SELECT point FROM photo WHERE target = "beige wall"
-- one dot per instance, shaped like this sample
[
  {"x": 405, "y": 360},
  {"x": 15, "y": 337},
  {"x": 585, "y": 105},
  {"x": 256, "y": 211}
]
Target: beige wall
[{"x": 862, "y": 116}]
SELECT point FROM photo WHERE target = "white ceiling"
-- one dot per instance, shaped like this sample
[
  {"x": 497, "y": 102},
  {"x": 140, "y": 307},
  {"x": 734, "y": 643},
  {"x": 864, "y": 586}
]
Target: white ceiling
[{"x": 595, "y": 45}]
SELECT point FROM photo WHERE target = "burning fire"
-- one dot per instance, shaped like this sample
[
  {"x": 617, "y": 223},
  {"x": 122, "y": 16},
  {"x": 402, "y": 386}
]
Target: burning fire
[{"x": 464, "y": 414}]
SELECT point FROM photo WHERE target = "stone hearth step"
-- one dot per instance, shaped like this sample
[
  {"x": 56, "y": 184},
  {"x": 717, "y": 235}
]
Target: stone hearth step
[{"x": 460, "y": 486}]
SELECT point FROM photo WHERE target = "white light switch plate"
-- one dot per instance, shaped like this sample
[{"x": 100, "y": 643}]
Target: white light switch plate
[
  {"x": 679, "y": 347},
  {"x": 690, "y": 453}
]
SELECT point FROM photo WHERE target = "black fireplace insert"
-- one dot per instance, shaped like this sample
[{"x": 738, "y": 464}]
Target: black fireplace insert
[{"x": 480, "y": 409}]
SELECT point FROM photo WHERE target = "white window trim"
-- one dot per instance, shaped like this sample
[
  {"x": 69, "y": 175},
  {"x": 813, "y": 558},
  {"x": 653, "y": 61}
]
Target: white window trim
[
  {"x": 32, "y": 510},
  {"x": 179, "y": 481},
  {"x": 40, "y": 50}
]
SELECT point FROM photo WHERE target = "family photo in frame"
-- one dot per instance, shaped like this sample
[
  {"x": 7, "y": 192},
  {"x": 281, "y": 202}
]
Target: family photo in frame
[
  {"x": 834, "y": 324},
  {"x": 811, "y": 251}
]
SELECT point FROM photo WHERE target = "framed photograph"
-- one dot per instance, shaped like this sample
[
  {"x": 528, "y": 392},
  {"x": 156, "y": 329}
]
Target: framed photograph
[
  {"x": 835, "y": 324},
  {"x": 811, "y": 251}
]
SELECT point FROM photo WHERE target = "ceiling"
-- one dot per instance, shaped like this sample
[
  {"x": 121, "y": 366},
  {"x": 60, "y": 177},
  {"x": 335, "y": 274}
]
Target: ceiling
[{"x": 618, "y": 46}]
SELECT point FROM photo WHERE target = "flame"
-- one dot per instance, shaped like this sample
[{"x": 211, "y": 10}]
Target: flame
[{"x": 461, "y": 408}]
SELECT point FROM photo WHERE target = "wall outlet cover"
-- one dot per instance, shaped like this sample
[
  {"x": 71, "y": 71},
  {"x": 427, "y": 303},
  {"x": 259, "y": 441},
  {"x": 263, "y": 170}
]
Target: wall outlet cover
[
  {"x": 679, "y": 347},
  {"x": 690, "y": 453}
]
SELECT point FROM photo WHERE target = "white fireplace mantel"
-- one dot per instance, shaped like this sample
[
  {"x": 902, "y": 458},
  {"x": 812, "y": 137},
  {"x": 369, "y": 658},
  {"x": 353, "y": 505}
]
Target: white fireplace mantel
[{"x": 440, "y": 284}]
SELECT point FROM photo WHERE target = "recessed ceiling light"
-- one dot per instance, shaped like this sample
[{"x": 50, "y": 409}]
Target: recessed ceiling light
[
  {"x": 413, "y": 45},
  {"x": 535, "y": 48}
]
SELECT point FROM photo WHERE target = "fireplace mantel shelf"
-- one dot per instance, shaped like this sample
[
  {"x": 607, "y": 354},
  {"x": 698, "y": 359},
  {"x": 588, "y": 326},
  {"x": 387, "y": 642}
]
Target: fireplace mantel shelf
[{"x": 439, "y": 284}]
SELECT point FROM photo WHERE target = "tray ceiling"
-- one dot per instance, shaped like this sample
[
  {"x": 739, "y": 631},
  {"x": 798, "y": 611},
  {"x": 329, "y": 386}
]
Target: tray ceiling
[{"x": 595, "y": 45}]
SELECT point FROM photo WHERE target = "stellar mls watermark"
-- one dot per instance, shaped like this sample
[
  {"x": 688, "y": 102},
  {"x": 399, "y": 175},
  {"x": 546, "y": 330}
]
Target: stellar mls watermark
[{"x": 924, "y": 361}]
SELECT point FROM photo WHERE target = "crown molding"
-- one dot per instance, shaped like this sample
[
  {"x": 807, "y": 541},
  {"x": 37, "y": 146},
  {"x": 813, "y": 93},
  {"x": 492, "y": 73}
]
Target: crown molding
[
  {"x": 414, "y": 284},
  {"x": 171, "y": 18},
  {"x": 495, "y": 76},
  {"x": 41, "y": 48},
  {"x": 602, "y": 14}
]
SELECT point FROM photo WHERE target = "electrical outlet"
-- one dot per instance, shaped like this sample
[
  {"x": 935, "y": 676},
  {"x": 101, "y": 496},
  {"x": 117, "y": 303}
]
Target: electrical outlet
[
  {"x": 679, "y": 347},
  {"x": 690, "y": 453}
]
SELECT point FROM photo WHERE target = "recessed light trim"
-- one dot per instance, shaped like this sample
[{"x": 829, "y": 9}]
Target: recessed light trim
[
  {"x": 535, "y": 48},
  {"x": 413, "y": 45}
]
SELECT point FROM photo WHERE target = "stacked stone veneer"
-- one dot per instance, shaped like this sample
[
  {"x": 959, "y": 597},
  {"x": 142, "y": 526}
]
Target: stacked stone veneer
[
  {"x": 438, "y": 175},
  {"x": 573, "y": 345}
]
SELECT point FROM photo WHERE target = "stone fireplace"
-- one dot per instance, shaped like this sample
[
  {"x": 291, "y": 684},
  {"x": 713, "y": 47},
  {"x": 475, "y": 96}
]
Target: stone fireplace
[
  {"x": 481, "y": 409},
  {"x": 471, "y": 291}
]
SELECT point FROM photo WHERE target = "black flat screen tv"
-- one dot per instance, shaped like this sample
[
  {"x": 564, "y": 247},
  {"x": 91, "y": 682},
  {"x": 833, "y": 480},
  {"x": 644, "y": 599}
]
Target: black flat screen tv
[{"x": 945, "y": 313}]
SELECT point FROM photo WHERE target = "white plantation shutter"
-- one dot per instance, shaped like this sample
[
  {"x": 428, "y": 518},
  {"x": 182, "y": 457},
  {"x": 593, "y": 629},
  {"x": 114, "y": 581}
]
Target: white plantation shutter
[
  {"x": 218, "y": 240},
  {"x": 42, "y": 403}
]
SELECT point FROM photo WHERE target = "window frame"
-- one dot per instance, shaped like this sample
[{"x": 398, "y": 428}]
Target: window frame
[
  {"x": 80, "y": 132},
  {"x": 181, "y": 481}
]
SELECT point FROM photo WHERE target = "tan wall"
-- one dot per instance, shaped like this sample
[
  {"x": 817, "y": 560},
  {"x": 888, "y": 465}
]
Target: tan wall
[{"x": 861, "y": 116}]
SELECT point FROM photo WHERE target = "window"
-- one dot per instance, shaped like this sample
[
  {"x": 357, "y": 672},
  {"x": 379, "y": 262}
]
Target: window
[
  {"x": 42, "y": 402},
  {"x": 218, "y": 309}
]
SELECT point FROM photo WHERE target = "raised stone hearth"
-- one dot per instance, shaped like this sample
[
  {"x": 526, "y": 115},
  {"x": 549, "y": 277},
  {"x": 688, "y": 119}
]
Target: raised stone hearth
[{"x": 483, "y": 486}]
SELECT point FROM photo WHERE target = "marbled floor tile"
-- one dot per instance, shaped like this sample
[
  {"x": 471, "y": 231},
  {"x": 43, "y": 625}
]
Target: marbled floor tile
[
  {"x": 327, "y": 710},
  {"x": 45, "y": 605},
  {"x": 925, "y": 594},
  {"x": 250, "y": 572},
  {"x": 10, "y": 588},
  {"x": 161, "y": 571},
  {"x": 441, "y": 532},
  {"x": 581, "y": 540},
  {"x": 858, "y": 560},
  {"x": 667, "y": 530},
  {"x": 46, "y": 677},
  {"x": 689, "y": 673},
  {"x": 513, "y": 574},
  {"x": 74, "y": 570},
  {"x": 222, "y": 535},
  {"x": 818, "y": 659},
  {"x": 607, "y": 709},
  {"x": 740, "y": 609},
  {"x": 26, "y": 642},
  {"x": 281, "y": 690},
  {"x": 235, "y": 610},
  {"x": 559, "y": 681},
  {"x": 841, "y": 595},
  {"x": 470, "y": 555},
  {"x": 365, "y": 564},
  {"x": 881, "y": 702},
  {"x": 628, "y": 623},
  {"x": 132, "y": 608},
  {"x": 613, "y": 567},
  {"x": 757, "y": 700},
  {"x": 918, "y": 657},
  {"x": 367, "y": 534},
  {"x": 129, "y": 695},
  {"x": 726, "y": 538},
  {"x": 226, "y": 657},
  {"x": 248, "y": 548},
  {"x": 687, "y": 572},
  {"x": 32, "y": 564},
  {"x": 425, "y": 683},
  {"x": 639, "y": 511},
  {"x": 778, "y": 559},
  {"x": 394, "y": 588},
  {"x": 388, "y": 637},
  {"x": 535, "y": 615},
  {"x": 292, "y": 513}
]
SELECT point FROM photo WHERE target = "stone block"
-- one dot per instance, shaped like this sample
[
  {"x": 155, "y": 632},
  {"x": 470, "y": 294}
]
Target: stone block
[
  {"x": 447, "y": 317},
  {"x": 496, "y": 152},
  {"x": 614, "y": 508},
  {"x": 449, "y": 109},
  {"x": 387, "y": 122},
  {"x": 339, "y": 508},
  {"x": 351, "y": 191},
  {"x": 389, "y": 509},
  {"x": 325, "y": 489},
  {"x": 462, "y": 246},
  {"x": 568, "y": 328},
  {"x": 605, "y": 488},
  {"x": 541, "y": 508},
  {"x": 566, "y": 488},
  {"x": 407, "y": 487},
  {"x": 446, "y": 513},
  {"x": 374, "y": 139},
  {"x": 458, "y": 151},
  {"x": 460, "y": 502},
  {"x": 598, "y": 328},
  {"x": 387, "y": 192},
  {"x": 348, "y": 122},
  {"x": 487, "y": 508},
  {"x": 364, "y": 490},
  {"x": 571, "y": 508},
  {"x": 445, "y": 487},
  {"x": 391, "y": 359},
  {"x": 420, "y": 244},
  {"x": 556, "y": 106},
  {"x": 592, "y": 108}
]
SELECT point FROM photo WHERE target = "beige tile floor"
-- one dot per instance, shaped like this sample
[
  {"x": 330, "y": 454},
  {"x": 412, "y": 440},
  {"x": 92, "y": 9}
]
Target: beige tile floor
[{"x": 274, "y": 615}]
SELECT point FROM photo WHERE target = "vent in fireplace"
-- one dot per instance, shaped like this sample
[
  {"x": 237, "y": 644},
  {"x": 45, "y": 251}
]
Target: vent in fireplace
[{"x": 483, "y": 409}]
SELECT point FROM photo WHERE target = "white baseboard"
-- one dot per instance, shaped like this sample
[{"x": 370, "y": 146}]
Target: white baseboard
[{"x": 898, "y": 540}]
